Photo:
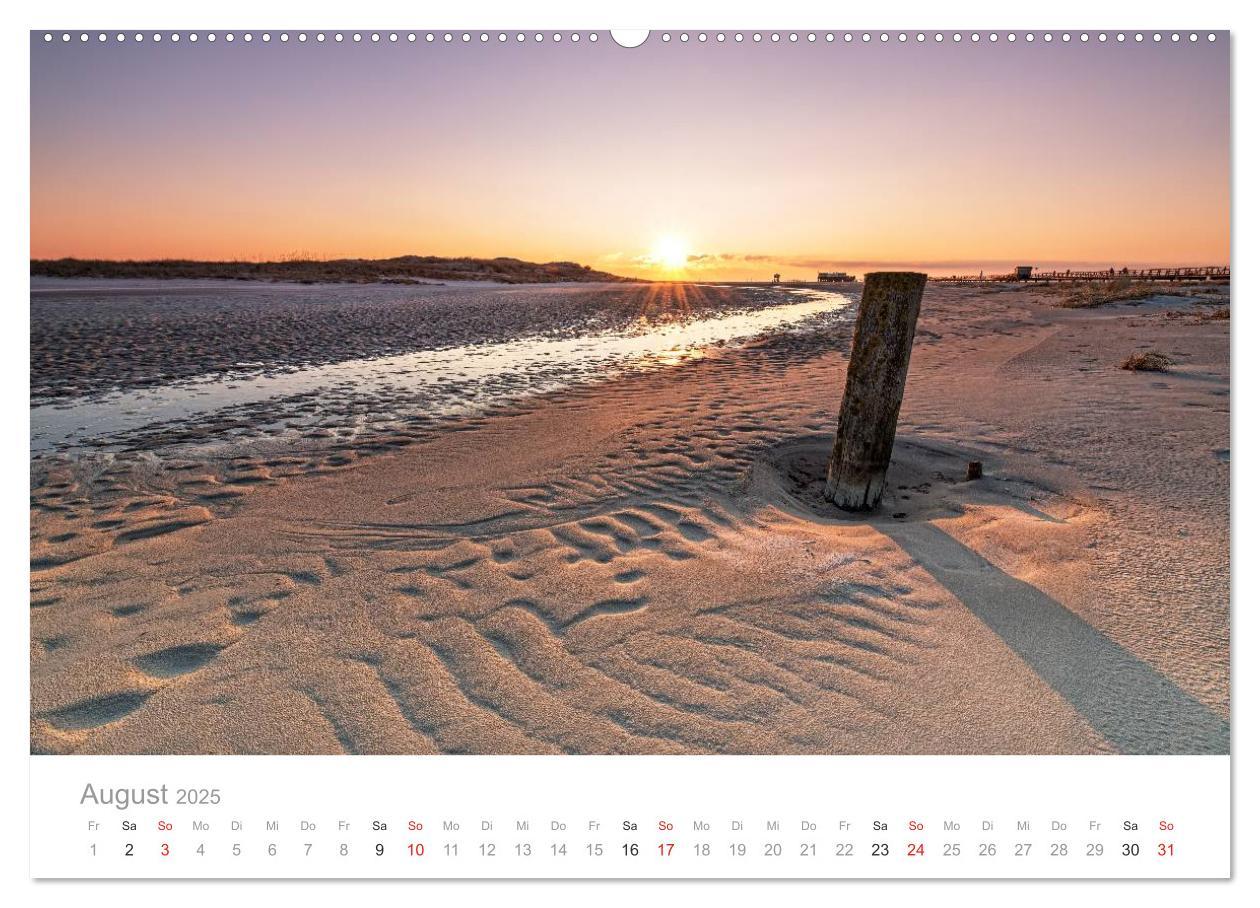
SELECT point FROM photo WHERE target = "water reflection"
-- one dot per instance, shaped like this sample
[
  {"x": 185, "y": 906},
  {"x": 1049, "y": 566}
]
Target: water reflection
[{"x": 451, "y": 381}]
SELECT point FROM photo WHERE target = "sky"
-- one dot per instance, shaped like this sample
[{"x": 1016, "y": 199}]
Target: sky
[{"x": 683, "y": 161}]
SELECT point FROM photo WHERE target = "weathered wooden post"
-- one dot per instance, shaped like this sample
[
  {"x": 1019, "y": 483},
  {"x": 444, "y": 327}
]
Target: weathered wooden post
[{"x": 878, "y": 363}]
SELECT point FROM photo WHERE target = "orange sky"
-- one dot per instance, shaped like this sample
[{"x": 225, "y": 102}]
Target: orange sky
[{"x": 753, "y": 159}]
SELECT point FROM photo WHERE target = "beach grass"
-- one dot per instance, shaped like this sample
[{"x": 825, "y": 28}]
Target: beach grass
[{"x": 1148, "y": 361}]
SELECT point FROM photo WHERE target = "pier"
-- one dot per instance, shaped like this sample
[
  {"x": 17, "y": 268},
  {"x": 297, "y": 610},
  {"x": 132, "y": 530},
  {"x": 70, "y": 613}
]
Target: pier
[{"x": 1023, "y": 274}]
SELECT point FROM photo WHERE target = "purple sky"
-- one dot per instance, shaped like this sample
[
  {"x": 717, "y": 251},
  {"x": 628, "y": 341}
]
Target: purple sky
[{"x": 735, "y": 158}]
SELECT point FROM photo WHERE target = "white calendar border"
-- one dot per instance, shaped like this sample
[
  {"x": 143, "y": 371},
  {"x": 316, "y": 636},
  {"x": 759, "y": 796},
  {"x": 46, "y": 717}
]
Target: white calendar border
[{"x": 660, "y": 14}]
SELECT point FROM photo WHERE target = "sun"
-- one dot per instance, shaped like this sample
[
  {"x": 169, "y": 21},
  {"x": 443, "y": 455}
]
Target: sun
[{"x": 670, "y": 252}]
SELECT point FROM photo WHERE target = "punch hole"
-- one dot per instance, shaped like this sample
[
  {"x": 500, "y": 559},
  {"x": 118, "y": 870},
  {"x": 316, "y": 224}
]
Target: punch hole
[{"x": 626, "y": 37}]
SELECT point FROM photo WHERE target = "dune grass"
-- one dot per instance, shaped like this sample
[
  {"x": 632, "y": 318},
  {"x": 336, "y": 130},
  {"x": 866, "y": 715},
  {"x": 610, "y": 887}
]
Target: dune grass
[
  {"x": 1089, "y": 294},
  {"x": 1147, "y": 361}
]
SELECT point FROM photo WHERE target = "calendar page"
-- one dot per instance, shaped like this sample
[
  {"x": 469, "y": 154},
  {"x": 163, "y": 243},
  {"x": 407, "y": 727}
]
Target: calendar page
[{"x": 594, "y": 453}]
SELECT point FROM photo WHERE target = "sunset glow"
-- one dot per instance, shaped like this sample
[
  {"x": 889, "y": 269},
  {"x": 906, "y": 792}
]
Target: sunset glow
[
  {"x": 791, "y": 159},
  {"x": 670, "y": 253}
]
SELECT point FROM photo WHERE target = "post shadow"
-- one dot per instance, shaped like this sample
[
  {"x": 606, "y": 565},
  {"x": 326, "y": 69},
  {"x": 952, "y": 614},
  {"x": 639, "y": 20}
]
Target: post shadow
[{"x": 1126, "y": 701}]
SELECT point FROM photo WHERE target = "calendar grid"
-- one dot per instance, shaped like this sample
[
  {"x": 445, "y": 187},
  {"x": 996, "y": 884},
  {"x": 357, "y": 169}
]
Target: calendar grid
[{"x": 631, "y": 817}]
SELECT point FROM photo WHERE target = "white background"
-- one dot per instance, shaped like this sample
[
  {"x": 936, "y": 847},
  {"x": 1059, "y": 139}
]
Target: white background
[
  {"x": 1054, "y": 15},
  {"x": 1178, "y": 801}
]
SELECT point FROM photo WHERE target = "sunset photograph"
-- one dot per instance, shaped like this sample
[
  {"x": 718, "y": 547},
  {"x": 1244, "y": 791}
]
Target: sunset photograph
[{"x": 780, "y": 392}]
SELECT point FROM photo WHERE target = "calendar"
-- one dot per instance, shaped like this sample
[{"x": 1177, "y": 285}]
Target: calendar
[
  {"x": 632, "y": 817},
  {"x": 568, "y": 452}
]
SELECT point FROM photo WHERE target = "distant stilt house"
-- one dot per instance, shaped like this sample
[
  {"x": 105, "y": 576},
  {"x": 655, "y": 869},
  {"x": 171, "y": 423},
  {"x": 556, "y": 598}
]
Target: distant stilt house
[
  {"x": 835, "y": 277},
  {"x": 776, "y": 277},
  {"x": 1023, "y": 272}
]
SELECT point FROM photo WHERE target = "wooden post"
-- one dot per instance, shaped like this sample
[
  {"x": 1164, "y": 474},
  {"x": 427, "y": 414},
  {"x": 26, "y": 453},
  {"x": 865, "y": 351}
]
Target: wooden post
[{"x": 878, "y": 363}]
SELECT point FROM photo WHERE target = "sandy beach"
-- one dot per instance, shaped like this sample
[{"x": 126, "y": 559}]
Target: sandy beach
[{"x": 597, "y": 525}]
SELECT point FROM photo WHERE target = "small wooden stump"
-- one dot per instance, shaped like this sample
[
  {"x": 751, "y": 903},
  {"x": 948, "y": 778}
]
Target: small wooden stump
[
  {"x": 975, "y": 470},
  {"x": 882, "y": 340}
]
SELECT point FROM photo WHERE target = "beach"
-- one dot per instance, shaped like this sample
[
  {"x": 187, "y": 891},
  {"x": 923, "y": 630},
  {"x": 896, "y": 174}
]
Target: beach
[{"x": 588, "y": 519}]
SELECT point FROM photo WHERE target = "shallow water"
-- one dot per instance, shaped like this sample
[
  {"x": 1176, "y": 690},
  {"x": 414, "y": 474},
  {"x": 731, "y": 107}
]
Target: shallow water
[{"x": 447, "y": 382}]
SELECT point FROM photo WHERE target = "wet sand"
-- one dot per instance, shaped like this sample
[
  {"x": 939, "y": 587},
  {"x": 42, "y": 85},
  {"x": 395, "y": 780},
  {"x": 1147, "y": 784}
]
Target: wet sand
[
  {"x": 94, "y": 335},
  {"x": 644, "y": 564}
]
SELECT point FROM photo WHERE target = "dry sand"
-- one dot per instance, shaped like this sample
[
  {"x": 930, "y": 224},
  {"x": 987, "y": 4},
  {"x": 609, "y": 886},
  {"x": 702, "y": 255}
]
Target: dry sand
[{"x": 644, "y": 565}]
